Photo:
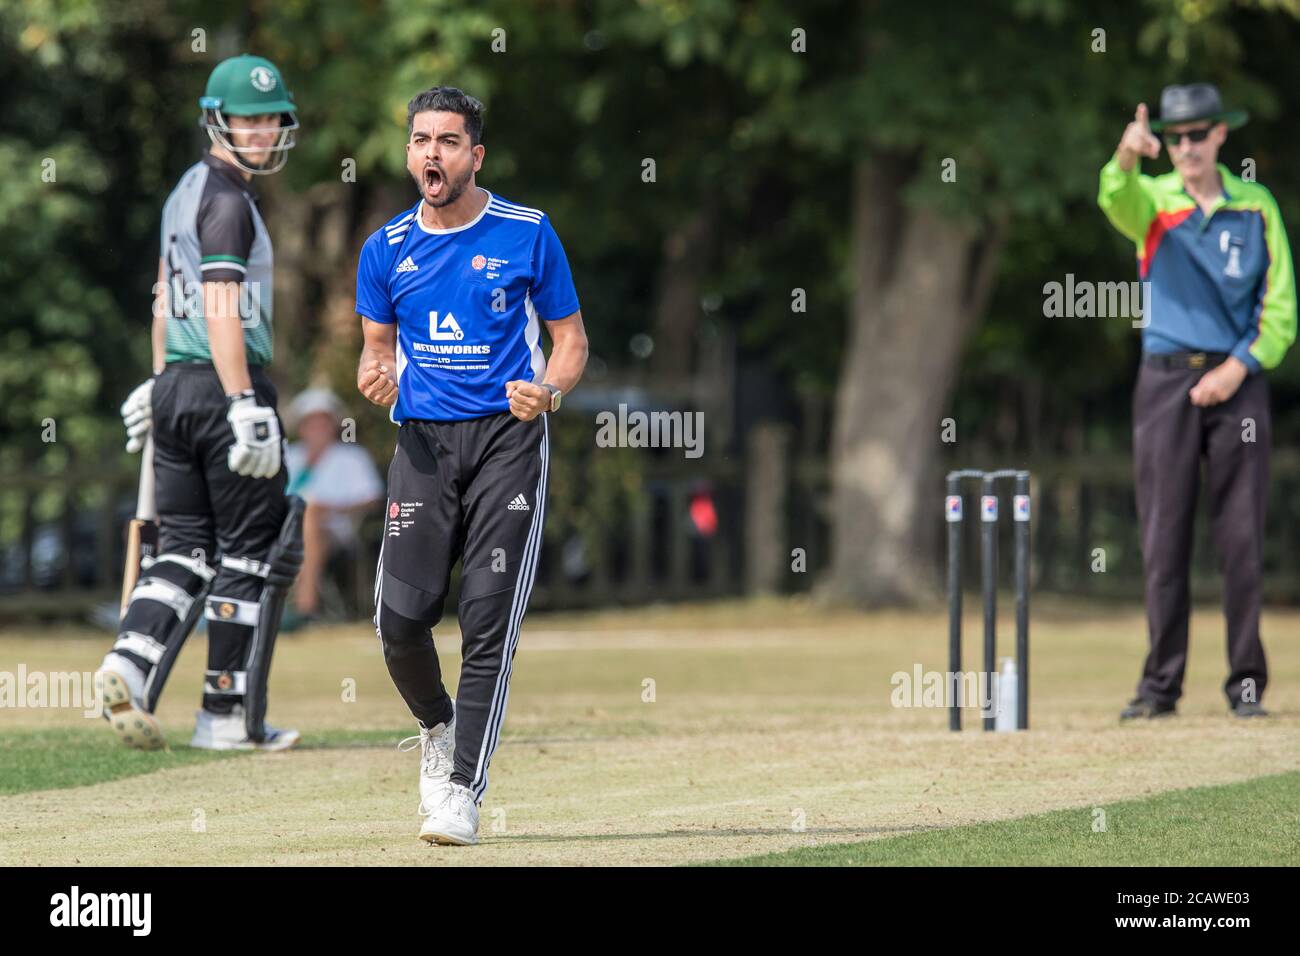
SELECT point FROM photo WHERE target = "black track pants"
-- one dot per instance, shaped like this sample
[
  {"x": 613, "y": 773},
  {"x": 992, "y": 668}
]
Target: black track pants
[{"x": 475, "y": 490}]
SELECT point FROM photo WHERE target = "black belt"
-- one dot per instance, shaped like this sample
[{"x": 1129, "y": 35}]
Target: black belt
[{"x": 1184, "y": 360}]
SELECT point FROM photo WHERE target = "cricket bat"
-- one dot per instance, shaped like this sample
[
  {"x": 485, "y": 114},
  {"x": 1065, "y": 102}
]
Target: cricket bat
[{"x": 142, "y": 532}]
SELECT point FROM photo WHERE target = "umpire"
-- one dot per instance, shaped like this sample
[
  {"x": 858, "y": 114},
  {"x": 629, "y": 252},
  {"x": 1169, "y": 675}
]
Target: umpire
[
  {"x": 1221, "y": 310},
  {"x": 229, "y": 539}
]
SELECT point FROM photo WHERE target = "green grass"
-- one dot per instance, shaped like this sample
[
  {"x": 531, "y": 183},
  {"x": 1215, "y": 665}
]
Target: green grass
[
  {"x": 1256, "y": 823},
  {"x": 77, "y": 757}
]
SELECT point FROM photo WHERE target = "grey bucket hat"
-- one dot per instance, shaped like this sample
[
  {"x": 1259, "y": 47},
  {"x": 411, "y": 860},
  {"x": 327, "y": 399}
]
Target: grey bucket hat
[{"x": 1196, "y": 101}]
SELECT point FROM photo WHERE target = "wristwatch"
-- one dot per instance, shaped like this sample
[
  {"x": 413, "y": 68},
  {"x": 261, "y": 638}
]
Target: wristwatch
[{"x": 556, "y": 395}]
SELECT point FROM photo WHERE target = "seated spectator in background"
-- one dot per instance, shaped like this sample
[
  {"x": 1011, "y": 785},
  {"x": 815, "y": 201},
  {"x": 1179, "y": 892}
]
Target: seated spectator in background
[{"x": 338, "y": 481}]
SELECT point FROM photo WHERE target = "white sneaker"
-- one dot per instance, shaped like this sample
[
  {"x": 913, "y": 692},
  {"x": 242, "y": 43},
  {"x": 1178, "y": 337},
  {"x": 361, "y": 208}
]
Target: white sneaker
[
  {"x": 454, "y": 821},
  {"x": 119, "y": 686},
  {"x": 437, "y": 748},
  {"x": 226, "y": 732}
]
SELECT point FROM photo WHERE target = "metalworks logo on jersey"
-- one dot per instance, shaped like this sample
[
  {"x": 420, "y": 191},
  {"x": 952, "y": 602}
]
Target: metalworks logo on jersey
[
  {"x": 659, "y": 429},
  {"x": 75, "y": 908},
  {"x": 447, "y": 329}
]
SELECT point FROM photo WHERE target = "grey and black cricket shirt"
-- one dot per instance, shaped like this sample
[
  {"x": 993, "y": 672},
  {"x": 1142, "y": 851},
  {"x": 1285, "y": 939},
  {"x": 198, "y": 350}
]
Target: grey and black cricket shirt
[{"x": 212, "y": 232}]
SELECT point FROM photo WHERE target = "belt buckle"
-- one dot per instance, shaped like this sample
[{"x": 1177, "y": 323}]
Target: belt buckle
[{"x": 1196, "y": 360}]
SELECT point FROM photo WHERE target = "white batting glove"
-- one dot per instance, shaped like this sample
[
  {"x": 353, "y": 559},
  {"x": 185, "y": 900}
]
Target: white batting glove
[
  {"x": 256, "y": 451},
  {"x": 137, "y": 416}
]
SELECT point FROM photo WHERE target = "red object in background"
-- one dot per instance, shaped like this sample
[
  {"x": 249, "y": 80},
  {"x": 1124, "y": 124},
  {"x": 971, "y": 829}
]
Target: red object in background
[{"x": 703, "y": 515}]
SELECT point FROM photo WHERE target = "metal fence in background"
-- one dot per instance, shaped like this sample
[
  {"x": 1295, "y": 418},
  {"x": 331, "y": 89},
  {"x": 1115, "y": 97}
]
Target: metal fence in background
[
  {"x": 693, "y": 531},
  {"x": 62, "y": 545}
]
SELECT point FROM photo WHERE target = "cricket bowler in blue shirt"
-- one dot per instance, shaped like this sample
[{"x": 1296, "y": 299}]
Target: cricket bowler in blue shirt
[{"x": 452, "y": 293}]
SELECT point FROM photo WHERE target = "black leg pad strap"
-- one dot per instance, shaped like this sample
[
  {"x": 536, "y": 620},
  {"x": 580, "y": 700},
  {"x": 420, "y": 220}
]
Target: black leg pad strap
[{"x": 283, "y": 564}]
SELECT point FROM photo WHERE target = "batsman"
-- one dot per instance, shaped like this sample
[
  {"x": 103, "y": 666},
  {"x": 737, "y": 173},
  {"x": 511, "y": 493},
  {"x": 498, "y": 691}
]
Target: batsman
[{"x": 229, "y": 540}]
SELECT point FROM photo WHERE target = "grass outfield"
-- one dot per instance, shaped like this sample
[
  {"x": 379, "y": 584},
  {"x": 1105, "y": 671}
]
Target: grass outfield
[
  {"x": 64, "y": 757},
  {"x": 659, "y": 736},
  {"x": 1256, "y": 823}
]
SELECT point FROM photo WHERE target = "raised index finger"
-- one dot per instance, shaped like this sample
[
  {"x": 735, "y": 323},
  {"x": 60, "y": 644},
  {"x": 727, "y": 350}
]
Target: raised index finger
[{"x": 1140, "y": 117}]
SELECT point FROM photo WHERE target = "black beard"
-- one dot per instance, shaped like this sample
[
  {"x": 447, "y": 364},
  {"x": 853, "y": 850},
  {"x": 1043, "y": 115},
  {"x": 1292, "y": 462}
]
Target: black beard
[{"x": 454, "y": 190}]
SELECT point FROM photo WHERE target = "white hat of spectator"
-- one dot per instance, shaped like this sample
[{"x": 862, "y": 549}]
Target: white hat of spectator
[{"x": 313, "y": 401}]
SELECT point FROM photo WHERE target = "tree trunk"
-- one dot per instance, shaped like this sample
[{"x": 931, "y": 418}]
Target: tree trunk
[
  {"x": 921, "y": 280},
  {"x": 318, "y": 235},
  {"x": 686, "y": 260}
]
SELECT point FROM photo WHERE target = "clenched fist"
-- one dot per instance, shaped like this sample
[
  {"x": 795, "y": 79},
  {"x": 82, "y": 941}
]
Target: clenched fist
[
  {"x": 376, "y": 382},
  {"x": 527, "y": 400}
]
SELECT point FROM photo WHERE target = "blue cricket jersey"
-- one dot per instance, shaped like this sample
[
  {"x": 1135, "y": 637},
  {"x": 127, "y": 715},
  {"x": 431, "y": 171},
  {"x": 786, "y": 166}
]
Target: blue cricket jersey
[
  {"x": 468, "y": 303},
  {"x": 1221, "y": 282}
]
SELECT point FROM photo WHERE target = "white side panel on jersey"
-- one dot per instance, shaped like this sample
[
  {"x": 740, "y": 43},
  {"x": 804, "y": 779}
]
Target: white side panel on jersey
[
  {"x": 533, "y": 337},
  {"x": 402, "y": 362}
]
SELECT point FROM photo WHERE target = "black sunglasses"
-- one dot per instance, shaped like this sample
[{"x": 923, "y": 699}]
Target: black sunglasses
[{"x": 1195, "y": 135}]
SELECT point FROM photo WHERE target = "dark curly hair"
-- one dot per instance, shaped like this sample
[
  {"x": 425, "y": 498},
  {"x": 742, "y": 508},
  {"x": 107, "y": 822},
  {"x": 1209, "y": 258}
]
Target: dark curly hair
[{"x": 448, "y": 99}]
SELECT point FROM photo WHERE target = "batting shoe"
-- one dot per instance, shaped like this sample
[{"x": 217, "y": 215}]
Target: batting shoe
[
  {"x": 119, "y": 686},
  {"x": 227, "y": 732},
  {"x": 454, "y": 821},
  {"x": 437, "y": 748}
]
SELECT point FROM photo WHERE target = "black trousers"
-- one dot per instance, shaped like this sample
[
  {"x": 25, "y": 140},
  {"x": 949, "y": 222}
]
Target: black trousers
[
  {"x": 476, "y": 491},
  {"x": 1171, "y": 437},
  {"x": 209, "y": 514}
]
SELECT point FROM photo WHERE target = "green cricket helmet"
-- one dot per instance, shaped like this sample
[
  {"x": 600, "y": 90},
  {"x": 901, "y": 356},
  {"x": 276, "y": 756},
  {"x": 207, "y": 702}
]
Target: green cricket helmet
[{"x": 249, "y": 86}]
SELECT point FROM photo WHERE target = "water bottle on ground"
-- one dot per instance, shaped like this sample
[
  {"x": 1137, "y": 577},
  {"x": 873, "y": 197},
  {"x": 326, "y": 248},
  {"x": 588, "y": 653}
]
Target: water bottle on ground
[{"x": 1008, "y": 691}]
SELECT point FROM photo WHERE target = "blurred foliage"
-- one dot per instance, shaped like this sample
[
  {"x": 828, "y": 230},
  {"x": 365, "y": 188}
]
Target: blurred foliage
[{"x": 582, "y": 93}]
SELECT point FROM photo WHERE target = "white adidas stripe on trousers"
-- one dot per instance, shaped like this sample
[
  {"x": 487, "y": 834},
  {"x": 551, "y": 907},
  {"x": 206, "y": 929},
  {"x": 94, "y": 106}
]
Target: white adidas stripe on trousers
[{"x": 523, "y": 588}]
